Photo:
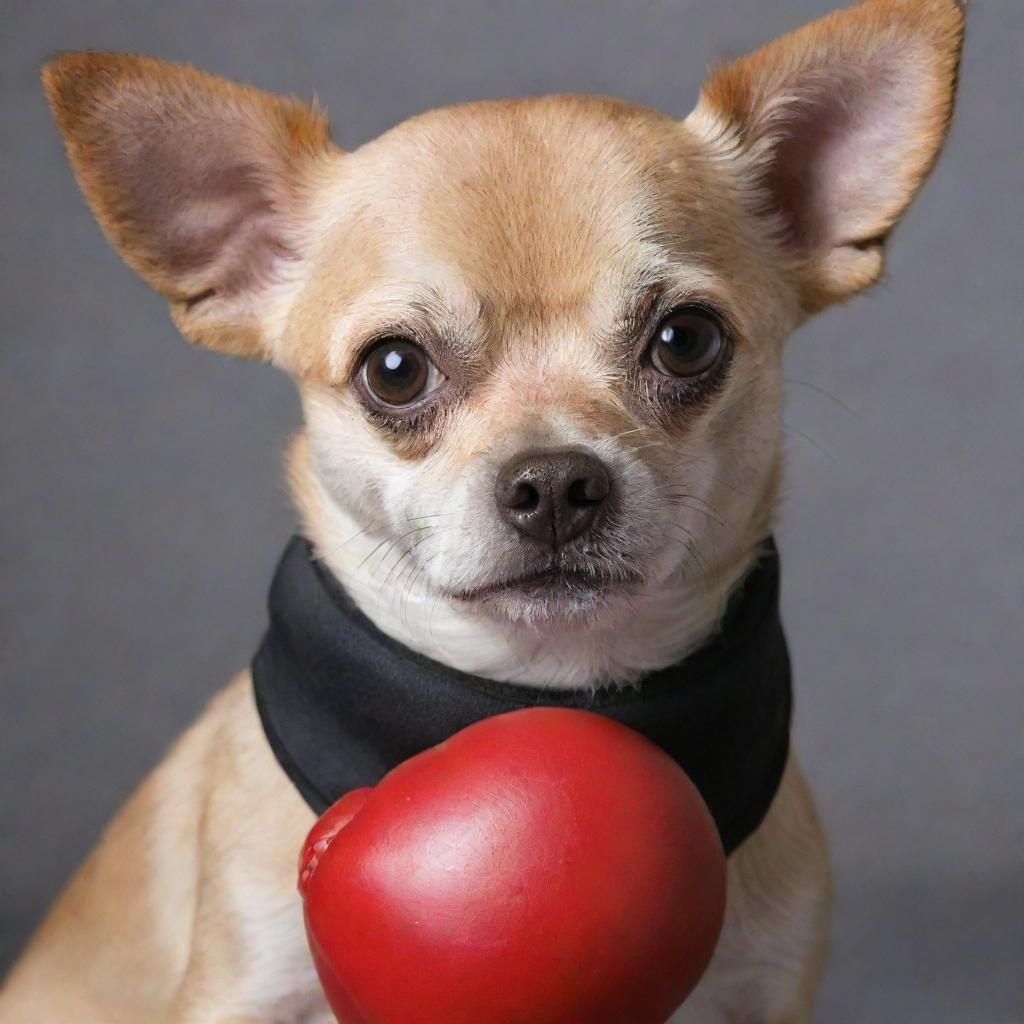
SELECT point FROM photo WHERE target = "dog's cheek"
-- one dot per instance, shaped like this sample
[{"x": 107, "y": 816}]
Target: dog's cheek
[
  {"x": 445, "y": 513},
  {"x": 721, "y": 475},
  {"x": 349, "y": 460}
]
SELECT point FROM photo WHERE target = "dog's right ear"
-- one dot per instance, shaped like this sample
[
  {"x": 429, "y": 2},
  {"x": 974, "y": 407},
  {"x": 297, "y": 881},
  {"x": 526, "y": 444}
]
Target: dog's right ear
[{"x": 202, "y": 185}]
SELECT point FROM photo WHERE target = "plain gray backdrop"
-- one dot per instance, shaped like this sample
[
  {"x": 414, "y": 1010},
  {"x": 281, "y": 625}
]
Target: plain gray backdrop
[{"x": 143, "y": 509}]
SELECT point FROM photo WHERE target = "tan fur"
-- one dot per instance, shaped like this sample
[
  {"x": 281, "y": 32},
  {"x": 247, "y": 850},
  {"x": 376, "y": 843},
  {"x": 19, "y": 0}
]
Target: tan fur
[{"x": 520, "y": 244}]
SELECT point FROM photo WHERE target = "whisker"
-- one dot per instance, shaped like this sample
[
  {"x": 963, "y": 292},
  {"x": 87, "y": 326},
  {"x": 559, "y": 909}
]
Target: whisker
[
  {"x": 389, "y": 550},
  {"x": 432, "y": 515},
  {"x": 616, "y": 437},
  {"x": 407, "y": 553},
  {"x": 810, "y": 440},
  {"x": 822, "y": 391},
  {"x": 695, "y": 554},
  {"x": 355, "y": 536}
]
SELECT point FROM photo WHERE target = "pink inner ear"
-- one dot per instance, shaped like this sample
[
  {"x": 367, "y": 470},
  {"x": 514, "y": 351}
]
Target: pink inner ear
[
  {"x": 203, "y": 200},
  {"x": 843, "y": 140}
]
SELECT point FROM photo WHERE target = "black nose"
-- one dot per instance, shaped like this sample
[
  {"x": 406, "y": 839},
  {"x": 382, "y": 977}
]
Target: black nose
[{"x": 552, "y": 496}]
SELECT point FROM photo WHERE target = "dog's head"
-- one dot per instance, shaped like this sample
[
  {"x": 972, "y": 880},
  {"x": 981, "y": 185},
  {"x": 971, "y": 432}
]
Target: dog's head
[{"x": 538, "y": 342}]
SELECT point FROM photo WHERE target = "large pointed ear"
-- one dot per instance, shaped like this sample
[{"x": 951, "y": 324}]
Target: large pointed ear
[
  {"x": 203, "y": 186},
  {"x": 835, "y": 127}
]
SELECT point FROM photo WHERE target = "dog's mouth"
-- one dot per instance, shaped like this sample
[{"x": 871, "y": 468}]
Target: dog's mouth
[{"x": 554, "y": 583}]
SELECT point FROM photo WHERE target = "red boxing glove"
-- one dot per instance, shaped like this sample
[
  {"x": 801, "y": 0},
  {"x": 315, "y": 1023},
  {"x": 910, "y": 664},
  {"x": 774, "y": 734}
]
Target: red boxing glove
[{"x": 542, "y": 867}]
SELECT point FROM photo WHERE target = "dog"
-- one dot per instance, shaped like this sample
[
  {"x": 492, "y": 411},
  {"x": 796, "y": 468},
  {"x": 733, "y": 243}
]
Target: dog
[{"x": 578, "y": 295}]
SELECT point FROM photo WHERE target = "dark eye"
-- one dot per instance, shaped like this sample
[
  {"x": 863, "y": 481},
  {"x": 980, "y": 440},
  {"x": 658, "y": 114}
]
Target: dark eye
[
  {"x": 687, "y": 343},
  {"x": 397, "y": 372}
]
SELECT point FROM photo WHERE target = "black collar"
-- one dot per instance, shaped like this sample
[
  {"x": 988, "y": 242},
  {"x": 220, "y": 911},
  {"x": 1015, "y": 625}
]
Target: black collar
[{"x": 342, "y": 704}]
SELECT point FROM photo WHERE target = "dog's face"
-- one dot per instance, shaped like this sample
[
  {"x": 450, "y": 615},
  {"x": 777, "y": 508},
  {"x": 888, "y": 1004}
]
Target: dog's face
[
  {"x": 550, "y": 379},
  {"x": 538, "y": 342}
]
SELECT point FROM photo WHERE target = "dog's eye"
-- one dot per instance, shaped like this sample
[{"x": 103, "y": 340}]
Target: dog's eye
[
  {"x": 397, "y": 372},
  {"x": 687, "y": 343}
]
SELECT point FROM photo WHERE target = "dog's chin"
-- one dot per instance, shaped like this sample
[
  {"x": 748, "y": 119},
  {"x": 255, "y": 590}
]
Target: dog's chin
[{"x": 552, "y": 596}]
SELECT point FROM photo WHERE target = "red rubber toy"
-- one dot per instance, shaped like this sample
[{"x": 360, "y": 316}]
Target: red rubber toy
[{"x": 542, "y": 867}]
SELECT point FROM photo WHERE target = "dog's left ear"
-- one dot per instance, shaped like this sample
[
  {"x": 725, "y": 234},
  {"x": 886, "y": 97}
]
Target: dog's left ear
[{"x": 835, "y": 127}]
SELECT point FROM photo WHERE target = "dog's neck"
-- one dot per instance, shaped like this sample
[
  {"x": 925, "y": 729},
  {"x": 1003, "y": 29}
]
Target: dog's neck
[{"x": 652, "y": 632}]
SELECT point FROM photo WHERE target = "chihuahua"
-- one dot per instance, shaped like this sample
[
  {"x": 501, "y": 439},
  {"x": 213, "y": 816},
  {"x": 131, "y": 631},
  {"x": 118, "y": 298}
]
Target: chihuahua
[{"x": 538, "y": 346}]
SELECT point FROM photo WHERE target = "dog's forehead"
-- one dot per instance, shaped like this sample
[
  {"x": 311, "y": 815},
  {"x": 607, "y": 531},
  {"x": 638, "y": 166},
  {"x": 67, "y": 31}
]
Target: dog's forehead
[{"x": 531, "y": 204}]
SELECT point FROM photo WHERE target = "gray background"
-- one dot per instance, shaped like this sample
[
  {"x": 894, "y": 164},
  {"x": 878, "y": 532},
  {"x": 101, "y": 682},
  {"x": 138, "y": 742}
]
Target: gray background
[{"x": 142, "y": 505}]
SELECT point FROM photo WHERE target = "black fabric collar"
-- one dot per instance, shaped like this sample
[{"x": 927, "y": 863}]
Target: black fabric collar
[{"x": 342, "y": 704}]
